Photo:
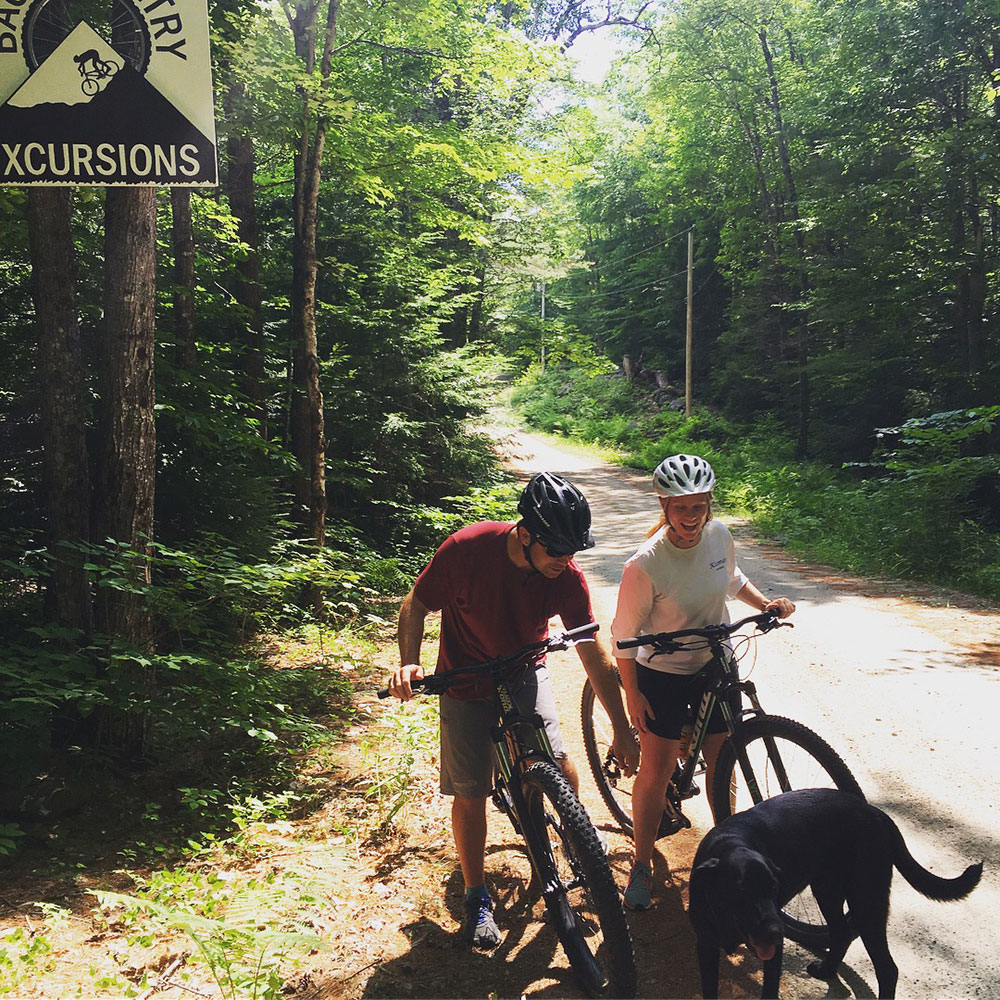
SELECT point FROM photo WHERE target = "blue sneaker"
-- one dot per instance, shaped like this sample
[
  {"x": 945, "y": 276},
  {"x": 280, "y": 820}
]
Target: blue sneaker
[
  {"x": 637, "y": 892},
  {"x": 480, "y": 929}
]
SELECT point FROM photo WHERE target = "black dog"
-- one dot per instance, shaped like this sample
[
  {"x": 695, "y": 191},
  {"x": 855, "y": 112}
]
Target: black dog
[{"x": 753, "y": 863}]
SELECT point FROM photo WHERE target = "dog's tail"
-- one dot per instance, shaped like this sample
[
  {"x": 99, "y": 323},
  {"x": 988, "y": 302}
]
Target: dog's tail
[{"x": 927, "y": 883}]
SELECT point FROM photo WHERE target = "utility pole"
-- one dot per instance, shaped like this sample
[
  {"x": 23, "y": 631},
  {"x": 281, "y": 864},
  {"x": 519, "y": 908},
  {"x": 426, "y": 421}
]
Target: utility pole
[
  {"x": 542, "y": 287},
  {"x": 690, "y": 314}
]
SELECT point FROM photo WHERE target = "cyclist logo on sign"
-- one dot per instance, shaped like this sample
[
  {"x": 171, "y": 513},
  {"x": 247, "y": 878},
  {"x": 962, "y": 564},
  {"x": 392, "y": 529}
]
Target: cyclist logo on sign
[{"x": 94, "y": 69}]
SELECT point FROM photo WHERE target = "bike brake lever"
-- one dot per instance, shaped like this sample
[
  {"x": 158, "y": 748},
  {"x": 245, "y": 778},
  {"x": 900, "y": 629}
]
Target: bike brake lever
[
  {"x": 673, "y": 647},
  {"x": 775, "y": 624},
  {"x": 431, "y": 685}
]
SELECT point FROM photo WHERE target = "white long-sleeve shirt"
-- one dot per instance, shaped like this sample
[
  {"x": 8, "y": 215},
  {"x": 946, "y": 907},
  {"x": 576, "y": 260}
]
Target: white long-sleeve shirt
[{"x": 665, "y": 588}]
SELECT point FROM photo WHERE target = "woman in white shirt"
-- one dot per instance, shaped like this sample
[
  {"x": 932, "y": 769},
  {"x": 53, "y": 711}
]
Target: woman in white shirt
[{"x": 679, "y": 578}]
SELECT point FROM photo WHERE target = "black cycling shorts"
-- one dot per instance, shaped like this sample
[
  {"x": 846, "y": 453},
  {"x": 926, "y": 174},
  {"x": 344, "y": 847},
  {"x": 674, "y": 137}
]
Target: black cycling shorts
[{"x": 674, "y": 699}]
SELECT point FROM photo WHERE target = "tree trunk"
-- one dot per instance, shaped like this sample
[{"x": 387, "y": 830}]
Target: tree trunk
[
  {"x": 183, "y": 240},
  {"x": 791, "y": 194},
  {"x": 308, "y": 435},
  {"x": 124, "y": 507},
  {"x": 248, "y": 322},
  {"x": 64, "y": 456},
  {"x": 977, "y": 286}
]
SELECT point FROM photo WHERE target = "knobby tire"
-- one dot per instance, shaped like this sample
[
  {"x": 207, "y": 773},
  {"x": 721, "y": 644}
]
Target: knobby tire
[
  {"x": 557, "y": 819},
  {"x": 810, "y": 762}
]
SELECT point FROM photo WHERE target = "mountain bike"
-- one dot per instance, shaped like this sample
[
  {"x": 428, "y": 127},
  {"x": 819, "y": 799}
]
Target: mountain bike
[
  {"x": 568, "y": 861},
  {"x": 764, "y": 755}
]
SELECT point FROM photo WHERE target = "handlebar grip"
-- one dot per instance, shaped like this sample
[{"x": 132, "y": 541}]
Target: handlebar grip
[
  {"x": 417, "y": 682},
  {"x": 631, "y": 643},
  {"x": 590, "y": 628}
]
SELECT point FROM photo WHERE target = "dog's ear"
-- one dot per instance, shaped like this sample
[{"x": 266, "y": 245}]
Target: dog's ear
[
  {"x": 706, "y": 868},
  {"x": 774, "y": 869},
  {"x": 758, "y": 875}
]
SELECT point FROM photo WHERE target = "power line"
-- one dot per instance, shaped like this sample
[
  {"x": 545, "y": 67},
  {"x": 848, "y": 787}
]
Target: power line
[
  {"x": 655, "y": 246},
  {"x": 715, "y": 270},
  {"x": 628, "y": 288}
]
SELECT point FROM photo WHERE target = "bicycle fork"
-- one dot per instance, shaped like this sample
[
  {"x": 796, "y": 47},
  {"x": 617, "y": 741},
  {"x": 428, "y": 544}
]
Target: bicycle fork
[{"x": 742, "y": 757}]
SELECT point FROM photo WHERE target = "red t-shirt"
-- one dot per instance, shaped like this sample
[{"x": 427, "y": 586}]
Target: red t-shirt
[{"x": 489, "y": 607}]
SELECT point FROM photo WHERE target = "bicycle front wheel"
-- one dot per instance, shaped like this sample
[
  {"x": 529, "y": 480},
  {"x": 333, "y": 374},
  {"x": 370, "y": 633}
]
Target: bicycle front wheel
[
  {"x": 580, "y": 892},
  {"x": 776, "y": 755}
]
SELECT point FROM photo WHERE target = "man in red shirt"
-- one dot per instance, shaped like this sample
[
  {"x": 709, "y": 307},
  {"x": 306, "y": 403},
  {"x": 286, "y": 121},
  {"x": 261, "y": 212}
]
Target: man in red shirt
[{"x": 496, "y": 586}]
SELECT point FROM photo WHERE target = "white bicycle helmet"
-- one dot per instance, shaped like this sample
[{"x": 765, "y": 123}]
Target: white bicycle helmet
[{"x": 682, "y": 475}]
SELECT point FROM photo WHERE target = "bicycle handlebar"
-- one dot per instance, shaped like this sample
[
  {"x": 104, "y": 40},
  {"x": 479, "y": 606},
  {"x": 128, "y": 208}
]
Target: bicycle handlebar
[
  {"x": 666, "y": 642},
  {"x": 438, "y": 683}
]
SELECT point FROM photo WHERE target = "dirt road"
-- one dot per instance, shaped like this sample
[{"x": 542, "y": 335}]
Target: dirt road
[{"x": 903, "y": 682}]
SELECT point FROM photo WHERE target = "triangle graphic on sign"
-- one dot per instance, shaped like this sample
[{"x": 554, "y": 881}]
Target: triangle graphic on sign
[{"x": 65, "y": 78}]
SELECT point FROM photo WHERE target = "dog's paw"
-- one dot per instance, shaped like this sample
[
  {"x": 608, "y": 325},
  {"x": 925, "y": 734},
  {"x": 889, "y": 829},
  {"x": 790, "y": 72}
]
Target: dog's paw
[{"x": 821, "y": 970}]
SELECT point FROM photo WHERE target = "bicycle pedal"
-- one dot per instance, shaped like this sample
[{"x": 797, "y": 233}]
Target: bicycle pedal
[
  {"x": 670, "y": 823},
  {"x": 691, "y": 792}
]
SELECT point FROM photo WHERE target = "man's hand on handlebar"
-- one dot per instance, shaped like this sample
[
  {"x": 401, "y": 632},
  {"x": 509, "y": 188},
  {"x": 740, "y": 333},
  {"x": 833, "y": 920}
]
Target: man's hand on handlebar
[{"x": 399, "y": 682}]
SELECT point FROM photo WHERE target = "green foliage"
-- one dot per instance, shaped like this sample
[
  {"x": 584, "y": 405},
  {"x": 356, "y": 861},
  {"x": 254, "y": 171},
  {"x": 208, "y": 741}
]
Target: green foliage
[
  {"x": 405, "y": 740},
  {"x": 601, "y": 409},
  {"x": 425, "y": 152},
  {"x": 835, "y": 162},
  {"x": 242, "y": 933},
  {"x": 9, "y": 832},
  {"x": 208, "y": 606},
  {"x": 924, "y": 444},
  {"x": 22, "y": 954}
]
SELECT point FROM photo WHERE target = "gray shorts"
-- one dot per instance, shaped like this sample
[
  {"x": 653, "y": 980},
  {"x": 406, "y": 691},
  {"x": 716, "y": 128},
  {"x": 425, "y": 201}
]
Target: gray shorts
[{"x": 466, "y": 744}]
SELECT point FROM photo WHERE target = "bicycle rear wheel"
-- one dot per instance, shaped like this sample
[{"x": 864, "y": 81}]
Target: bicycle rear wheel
[
  {"x": 781, "y": 755},
  {"x": 598, "y": 734},
  {"x": 612, "y": 782},
  {"x": 580, "y": 892},
  {"x": 48, "y": 23}
]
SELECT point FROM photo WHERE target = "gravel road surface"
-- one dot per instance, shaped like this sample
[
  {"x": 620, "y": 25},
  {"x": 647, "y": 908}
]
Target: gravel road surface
[{"x": 903, "y": 681}]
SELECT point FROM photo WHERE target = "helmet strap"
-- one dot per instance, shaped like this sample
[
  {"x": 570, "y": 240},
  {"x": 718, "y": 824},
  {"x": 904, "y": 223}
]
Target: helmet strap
[{"x": 526, "y": 549}]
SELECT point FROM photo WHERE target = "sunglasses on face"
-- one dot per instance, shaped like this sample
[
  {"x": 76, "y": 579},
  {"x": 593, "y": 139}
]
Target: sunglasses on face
[{"x": 554, "y": 553}]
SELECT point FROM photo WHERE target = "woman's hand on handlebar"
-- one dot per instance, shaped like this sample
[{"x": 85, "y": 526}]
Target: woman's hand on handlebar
[
  {"x": 782, "y": 606},
  {"x": 400, "y": 682}
]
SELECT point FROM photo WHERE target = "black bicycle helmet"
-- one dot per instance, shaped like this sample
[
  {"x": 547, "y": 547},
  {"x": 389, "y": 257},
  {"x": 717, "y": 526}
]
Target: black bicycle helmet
[{"x": 556, "y": 513}]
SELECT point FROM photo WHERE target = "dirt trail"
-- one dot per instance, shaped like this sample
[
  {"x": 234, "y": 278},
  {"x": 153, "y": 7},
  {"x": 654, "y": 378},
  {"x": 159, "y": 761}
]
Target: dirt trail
[{"x": 903, "y": 683}]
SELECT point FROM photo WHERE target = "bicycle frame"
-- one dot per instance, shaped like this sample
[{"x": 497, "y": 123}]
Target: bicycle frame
[
  {"x": 723, "y": 685},
  {"x": 513, "y": 755},
  {"x": 511, "y": 751},
  {"x": 725, "y": 681}
]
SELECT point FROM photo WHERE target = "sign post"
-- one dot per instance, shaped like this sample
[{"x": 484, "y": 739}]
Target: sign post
[{"x": 106, "y": 92}]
